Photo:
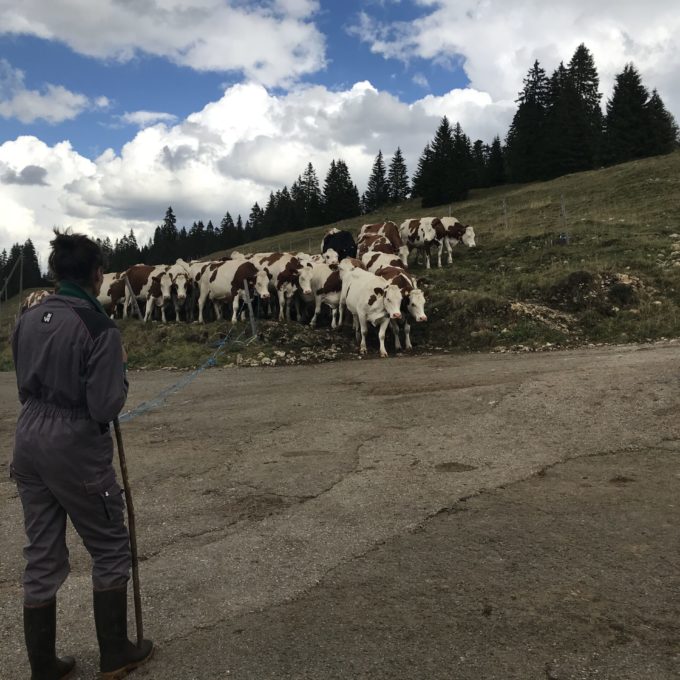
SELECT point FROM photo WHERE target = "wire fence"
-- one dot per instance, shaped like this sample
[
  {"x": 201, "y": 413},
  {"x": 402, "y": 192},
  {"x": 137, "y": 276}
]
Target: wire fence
[{"x": 211, "y": 361}]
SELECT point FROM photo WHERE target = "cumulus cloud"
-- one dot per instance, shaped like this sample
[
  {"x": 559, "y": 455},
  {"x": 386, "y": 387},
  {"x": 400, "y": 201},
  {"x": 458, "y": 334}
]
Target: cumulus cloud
[
  {"x": 144, "y": 118},
  {"x": 496, "y": 41},
  {"x": 53, "y": 104},
  {"x": 270, "y": 41},
  {"x": 29, "y": 175},
  {"x": 227, "y": 156}
]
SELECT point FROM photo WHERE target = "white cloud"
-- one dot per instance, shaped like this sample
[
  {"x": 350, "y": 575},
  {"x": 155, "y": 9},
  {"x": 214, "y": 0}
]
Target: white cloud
[
  {"x": 225, "y": 157},
  {"x": 421, "y": 80},
  {"x": 145, "y": 118},
  {"x": 54, "y": 104},
  {"x": 498, "y": 40},
  {"x": 270, "y": 41}
]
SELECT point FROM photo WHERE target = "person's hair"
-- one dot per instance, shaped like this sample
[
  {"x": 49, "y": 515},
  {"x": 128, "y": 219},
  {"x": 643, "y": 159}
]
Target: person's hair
[{"x": 74, "y": 257}]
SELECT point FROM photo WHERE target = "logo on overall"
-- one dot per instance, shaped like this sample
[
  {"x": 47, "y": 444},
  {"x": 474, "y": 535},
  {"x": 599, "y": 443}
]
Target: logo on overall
[{"x": 47, "y": 317}]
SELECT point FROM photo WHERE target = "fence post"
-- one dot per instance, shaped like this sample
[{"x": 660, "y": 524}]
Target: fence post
[
  {"x": 505, "y": 214},
  {"x": 133, "y": 297},
  {"x": 21, "y": 276},
  {"x": 251, "y": 316},
  {"x": 563, "y": 212}
]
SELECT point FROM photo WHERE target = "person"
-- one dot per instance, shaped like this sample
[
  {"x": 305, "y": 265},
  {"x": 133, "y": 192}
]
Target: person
[{"x": 70, "y": 368}]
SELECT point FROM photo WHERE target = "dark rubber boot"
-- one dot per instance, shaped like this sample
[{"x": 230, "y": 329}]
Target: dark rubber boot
[
  {"x": 40, "y": 630},
  {"x": 118, "y": 656}
]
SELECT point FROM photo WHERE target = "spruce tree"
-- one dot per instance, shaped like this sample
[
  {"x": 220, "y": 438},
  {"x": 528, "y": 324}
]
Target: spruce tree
[
  {"x": 663, "y": 130},
  {"x": 495, "y": 164},
  {"x": 377, "y": 190},
  {"x": 340, "y": 195},
  {"x": 397, "y": 178},
  {"x": 626, "y": 128},
  {"x": 586, "y": 82},
  {"x": 227, "y": 235},
  {"x": 421, "y": 177},
  {"x": 524, "y": 142}
]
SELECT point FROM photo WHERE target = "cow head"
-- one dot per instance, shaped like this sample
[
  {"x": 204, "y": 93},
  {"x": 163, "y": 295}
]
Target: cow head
[
  {"x": 469, "y": 237},
  {"x": 393, "y": 301},
  {"x": 181, "y": 287},
  {"x": 161, "y": 288},
  {"x": 305, "y": 279},
  {"x": 262, "y": 284},
  {"x": 427, "y": 232},
  {"x": 331, "y": 257},
  {"x": 416, "y": 304}
]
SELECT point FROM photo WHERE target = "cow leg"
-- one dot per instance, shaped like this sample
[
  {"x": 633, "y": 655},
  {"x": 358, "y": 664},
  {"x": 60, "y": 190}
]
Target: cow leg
[
  {"x": 439, "y": 254},
  {"x": 163, "y": 319},
  {"x": 381, "y": 336},
  {"x": 201, "y": 304},
  {"x": 426, "y": 250},
  {"x": 282, "y": 306},
  {"x": 234, "y": 309},
  {"x": 395, "y": 329},
  {"x": 449, "y": 251},
  {"x": 334, "y": 317},
  {"x": 148, "y": 310},
  {"x": 363, "y": 326},
  {"x": 317, "y": 309},
  {"x": 407, "y": 334}
]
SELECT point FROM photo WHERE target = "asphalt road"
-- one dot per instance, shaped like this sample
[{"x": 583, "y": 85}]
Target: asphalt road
[{"x": 455, "y": 517}]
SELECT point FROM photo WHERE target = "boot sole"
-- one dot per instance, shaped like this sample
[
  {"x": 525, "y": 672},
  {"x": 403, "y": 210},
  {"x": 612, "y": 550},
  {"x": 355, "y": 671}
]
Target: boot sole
[
  {"x": 69, "y": 674},
  {"x": 125, "y": 670}
]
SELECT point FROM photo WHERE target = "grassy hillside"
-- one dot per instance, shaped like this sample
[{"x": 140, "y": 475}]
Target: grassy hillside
[{"x": 616, "y": 279}]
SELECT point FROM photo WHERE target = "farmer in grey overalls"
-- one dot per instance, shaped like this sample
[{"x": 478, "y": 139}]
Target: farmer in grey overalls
[{"x": 70, "y": 370}]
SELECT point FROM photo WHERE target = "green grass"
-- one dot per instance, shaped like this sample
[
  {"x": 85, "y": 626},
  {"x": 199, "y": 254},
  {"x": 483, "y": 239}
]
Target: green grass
[{"x": 620, "y": 221}]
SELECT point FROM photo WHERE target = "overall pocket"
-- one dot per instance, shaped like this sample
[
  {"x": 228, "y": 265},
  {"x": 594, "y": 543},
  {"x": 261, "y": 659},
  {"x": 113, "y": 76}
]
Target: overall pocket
[{"x": 110, "y": 494}]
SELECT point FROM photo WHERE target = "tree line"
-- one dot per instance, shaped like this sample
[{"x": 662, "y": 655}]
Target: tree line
[
  {"x": 15, "y": 273},
  {"x": 558, "y": 128}
]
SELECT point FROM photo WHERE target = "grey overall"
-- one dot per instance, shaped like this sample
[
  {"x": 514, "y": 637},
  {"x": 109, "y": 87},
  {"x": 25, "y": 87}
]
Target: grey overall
[{"x": 71, "y": 380}]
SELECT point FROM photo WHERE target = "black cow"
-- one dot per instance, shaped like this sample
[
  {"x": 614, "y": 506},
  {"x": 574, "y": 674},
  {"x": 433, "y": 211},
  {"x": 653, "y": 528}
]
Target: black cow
[{"x": 337, "y": 245}]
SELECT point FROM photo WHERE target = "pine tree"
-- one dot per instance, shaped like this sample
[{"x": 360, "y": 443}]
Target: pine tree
[
  {"x": 228, "y": 231},
  {"x": 256, "y": 219},
  {"x": 480, "y": 152},
  {"x": 626, "y": 129},
  {"x": 340, "y": 195},
  {"x": 663, "y": 130},
  {"x": 586, "y": 82},
  {"x": 397, "y": 178},
  {"x": 240, "y": 234},
  {"x": 524, "y": 142},
  {"x": 495, "y": 164},
  {"x": 443, "y": 175},
  {"x": 307, "y": 199},
  {"x": 421, "y": 178},
  {"x": 32, "y": 278},
  {"x": 377, "y": 190},
  {"x": 463, "y": 163}
]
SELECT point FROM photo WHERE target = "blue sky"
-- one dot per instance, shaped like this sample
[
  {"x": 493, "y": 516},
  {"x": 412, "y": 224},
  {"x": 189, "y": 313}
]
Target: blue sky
[
  {"x": 156, "y": 84},
  {"x": 111, "y": 110}
]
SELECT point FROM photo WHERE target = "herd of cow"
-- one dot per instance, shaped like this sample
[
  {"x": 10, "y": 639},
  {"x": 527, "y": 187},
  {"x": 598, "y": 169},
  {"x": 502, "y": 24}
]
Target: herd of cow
[{"x": 368, "y": 277}]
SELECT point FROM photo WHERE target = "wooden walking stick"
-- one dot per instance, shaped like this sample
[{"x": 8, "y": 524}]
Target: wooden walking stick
[{"x": 133, "y": 532}]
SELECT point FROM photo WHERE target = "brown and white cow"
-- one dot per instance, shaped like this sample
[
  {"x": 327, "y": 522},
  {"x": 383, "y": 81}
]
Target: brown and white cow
[
  {"x": 283, "y": 270},
  {"x": 181, "y": 288},
  {"x": 413, "y": 302},
  {"x": 421, "y": 234},
  {"x": 319, "y": 283},
  {"x": 151, "y": 285},
  {"x": 456, "y": 232},
  {"x": 369, "y": 298},
  {"x": 112, "y": 292},
  {"x": 34, "y": 298},
  {"x": 373, "y": 261},
  {"x": 224, "y": 282},
  {"x": 390, "y": 233}
]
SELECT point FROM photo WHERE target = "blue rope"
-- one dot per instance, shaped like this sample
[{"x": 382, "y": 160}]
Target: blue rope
[{"x": 158, "y": 400}]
